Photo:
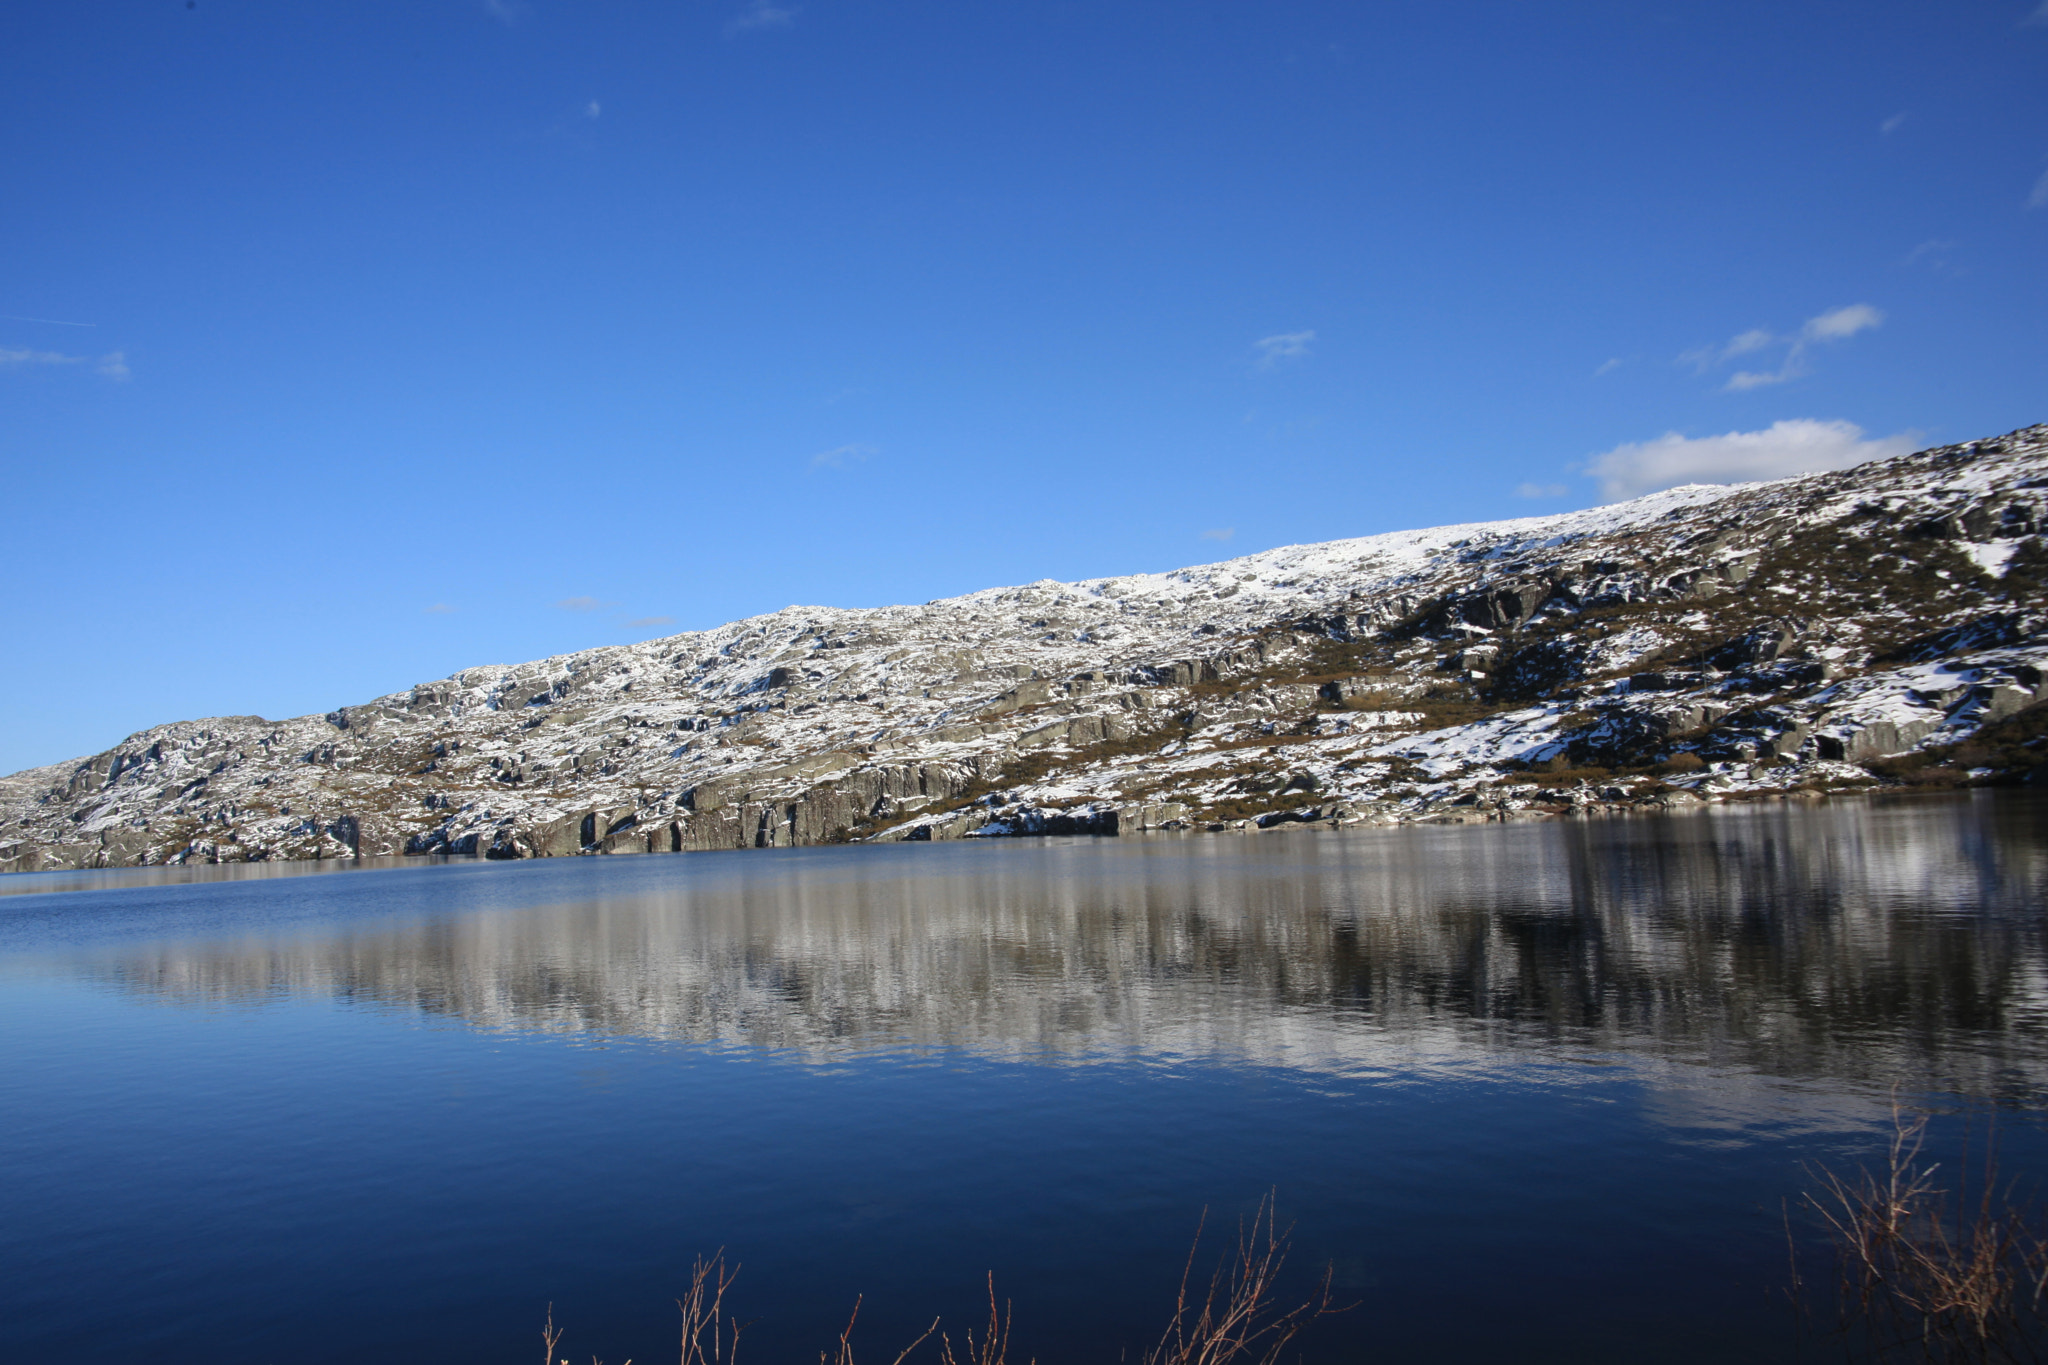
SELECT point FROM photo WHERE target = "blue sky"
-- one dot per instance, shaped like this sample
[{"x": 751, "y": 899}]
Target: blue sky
[{"x": 347, "y": 345}]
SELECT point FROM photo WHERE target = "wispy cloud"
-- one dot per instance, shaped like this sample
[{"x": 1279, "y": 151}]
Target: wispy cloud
[
  {"x": 592, "y": 109},
  {"x": 1705, "y": 358},
  {"x": 840, "y": 456},
  {"x": 643, "y": 622},
  {"x": 1607, "y": 367},
  {"x": 114, "y": 365},
  {"x": 1934, "y": 252},
  {"x": 1754, "y": 340},
  {"x": 1744, "y": 380},
  {"x": 2038, "y": 17},
  {"x": 438, "y": 609},
  {"x": 760, "y": 14},
  {"x": 1541, "y": 490},
  {"x": 1796, "y": 446},
  {"x": 2039, "y": 195},
  {"x": 1838, "y": 324},
  {"x": 507, "y": 11},
  {"x": 1893, "y": 124},
  {"x": 20, "y": 357},
  {"x": 1842, "y": 323},
  {"x": 47, "y": 322},
  {"x": 581, "y": 604},
  {"x": 1282, "y": 346},
  {"x": 1220, "y": 533}
]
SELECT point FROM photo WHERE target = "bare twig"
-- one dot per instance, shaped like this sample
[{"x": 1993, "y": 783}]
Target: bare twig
[
  {"x": 994, "y": 1347},
  {"x": 1926, "y": 1276},
  {"x": 844, "y": 1355},
  {"x": 1236, "y": 1319},
  {"x": 549, "y": 1335},
  {"x": 703, "y": 1308},
  {"x": 1234, "y": 1322},
  {"x": 923, "y": 1337}
]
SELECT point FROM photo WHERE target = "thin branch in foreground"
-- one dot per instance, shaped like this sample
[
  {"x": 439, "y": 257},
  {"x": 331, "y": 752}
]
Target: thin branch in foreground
[
  {"x": 549, "y": 1336},
  {"x": 703, "y": 1308},
  {"x": 994, "y": 1347},
  {"x": 843, "y": 1354},
  {"x": 1923, "y": 1276},
  {"x": 1236, "y": 1319}
]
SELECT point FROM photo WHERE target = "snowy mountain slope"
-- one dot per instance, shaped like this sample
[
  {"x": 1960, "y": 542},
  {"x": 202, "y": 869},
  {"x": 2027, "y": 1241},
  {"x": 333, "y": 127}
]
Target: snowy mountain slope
[{"x": 1882, "y": 625}]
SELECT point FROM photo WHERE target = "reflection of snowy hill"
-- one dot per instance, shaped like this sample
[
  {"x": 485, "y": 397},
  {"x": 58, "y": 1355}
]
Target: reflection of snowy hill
[{"x": 1846, "y": 942}]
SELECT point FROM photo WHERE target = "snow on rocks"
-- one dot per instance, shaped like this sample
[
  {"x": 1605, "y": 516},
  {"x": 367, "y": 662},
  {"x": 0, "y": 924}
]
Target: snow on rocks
[{"x": 1703, "y": 641}]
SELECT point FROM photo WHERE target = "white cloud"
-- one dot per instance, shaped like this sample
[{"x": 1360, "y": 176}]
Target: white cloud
[
  {"x": 760, "y": 14},
  {"x": 646, "y": 621},
  {"x": 592, "y": 109},
  {"x": 1223, "y": 533},
  {"x": 2039, "y": 194},
  {"x": 1835, "y": 325},
  {"x": 1756, "y": 379},
  {"x": 1541, "y": 490},
  {"x": 1285, "y": 346},
  {"x": 2039, "y": 16},
  {"x": 1755, "y": 339},
  {"x": 580, "y": 604},
  {"x": 439, "y": 609},
  {"x": 840, "y": 456},
  {"x": 1893, "y": 124},
  {"x": 507, "y": 11},
  {"x": 1934, "y": 252},
  {"x": 1707, "y": 357},
  {"x": 1842, "y": 322},
  {"x": 114, "y": 365},
  {"x": 1608, "y": 366},
  {"x": 47, "y": 322},
  {"x": 1795, "y": 446}
]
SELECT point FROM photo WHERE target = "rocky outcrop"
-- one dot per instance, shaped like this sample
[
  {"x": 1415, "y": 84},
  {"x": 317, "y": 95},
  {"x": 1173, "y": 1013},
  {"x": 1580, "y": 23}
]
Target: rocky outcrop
[{"x": 1880, "y": 626}]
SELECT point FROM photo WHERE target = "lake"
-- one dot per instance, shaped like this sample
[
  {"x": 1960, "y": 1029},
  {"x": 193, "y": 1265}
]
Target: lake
[{"x": 1535, "y": 1091}]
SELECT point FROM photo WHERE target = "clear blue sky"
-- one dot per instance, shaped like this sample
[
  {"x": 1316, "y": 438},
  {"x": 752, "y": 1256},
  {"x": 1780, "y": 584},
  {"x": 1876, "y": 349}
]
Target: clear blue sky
[{"x": 429, "y": 334}]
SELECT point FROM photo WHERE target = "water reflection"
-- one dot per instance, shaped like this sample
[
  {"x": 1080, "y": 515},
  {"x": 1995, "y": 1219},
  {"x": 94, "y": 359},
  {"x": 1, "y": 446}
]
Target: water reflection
[{"x": 1859, "y": 942}]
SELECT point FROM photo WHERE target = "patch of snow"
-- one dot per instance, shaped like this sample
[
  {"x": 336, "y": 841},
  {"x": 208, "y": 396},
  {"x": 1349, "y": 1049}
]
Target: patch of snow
[{"x": 1991, "y": 557}]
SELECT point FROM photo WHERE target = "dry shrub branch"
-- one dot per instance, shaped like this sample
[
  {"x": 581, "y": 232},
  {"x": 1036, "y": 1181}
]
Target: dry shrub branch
[
  {"x": 994, "y": 1346},
  {"x": 703, "y": 1308},
  {"x": 1236, "y": 1320},
  {"x": 1929, "y": 1274},
  {"x": 1237, "y": 1317}
]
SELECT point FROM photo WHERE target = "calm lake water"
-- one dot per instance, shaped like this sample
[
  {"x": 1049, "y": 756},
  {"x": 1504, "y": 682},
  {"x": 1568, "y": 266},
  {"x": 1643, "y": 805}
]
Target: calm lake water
[{"x": 1538, "y": 1092}]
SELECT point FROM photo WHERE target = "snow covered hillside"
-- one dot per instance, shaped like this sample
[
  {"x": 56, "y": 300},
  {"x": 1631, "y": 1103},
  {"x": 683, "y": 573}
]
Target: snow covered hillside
[{"x": 1882, "y": 626}]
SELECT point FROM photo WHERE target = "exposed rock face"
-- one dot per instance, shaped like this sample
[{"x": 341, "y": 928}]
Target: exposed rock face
[{"x": 1885, "y": 624}]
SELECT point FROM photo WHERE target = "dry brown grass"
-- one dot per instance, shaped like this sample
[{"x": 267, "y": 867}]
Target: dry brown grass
[
  {"x": 1237, "y": 1320},
  {"x": 1926, "y": 1273}
]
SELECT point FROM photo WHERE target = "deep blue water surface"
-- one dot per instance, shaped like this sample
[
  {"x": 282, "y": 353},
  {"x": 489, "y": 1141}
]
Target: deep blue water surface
[{"x": 1537, "y": 1092}]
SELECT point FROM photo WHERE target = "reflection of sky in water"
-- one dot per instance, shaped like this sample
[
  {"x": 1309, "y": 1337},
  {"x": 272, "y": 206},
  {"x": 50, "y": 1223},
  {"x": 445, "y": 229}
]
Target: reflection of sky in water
[{"x": 1537, "y": 1091}]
